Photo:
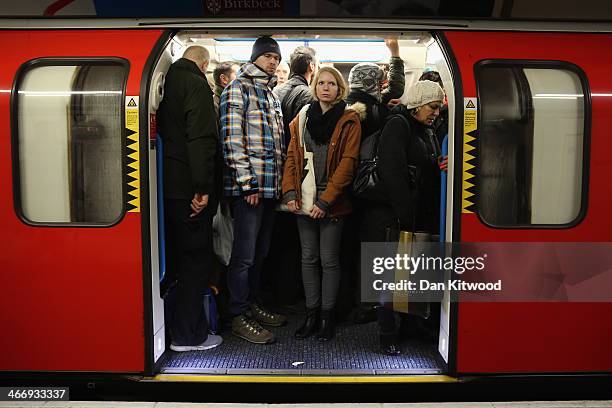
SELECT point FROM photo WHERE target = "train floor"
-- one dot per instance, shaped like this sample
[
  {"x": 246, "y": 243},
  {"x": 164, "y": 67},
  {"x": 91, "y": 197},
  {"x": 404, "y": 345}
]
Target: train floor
[{"x": 353, "y": 351}]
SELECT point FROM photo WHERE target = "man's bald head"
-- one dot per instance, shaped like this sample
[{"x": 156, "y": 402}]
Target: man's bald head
[{"x": 199, "y": 55}]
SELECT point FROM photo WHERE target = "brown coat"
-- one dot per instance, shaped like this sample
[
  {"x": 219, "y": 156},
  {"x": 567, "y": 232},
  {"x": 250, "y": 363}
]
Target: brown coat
[{"x": 342, "y": 159}]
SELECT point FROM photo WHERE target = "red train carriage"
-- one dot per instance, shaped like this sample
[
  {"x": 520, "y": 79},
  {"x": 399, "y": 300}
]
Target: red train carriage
[{"x": 78, "y": 207}]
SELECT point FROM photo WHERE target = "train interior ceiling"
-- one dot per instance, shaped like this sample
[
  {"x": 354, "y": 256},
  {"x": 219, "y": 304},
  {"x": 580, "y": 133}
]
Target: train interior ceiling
[{"x": 355, "y": 349}]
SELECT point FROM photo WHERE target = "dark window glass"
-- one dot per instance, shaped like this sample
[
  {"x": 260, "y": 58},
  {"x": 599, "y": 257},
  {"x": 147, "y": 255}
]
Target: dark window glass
[
  {"x": 70, "y": 138},
  {"x": 531, "y": 141}
]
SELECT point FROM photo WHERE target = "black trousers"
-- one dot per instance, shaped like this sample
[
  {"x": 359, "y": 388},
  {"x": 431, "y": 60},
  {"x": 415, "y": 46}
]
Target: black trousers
[
  {"x": 283, "y": 266},
  {"x": 189, "y": 256}
]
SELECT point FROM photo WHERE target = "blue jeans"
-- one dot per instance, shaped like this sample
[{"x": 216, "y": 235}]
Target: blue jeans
[{"x": 253, "y": 227}]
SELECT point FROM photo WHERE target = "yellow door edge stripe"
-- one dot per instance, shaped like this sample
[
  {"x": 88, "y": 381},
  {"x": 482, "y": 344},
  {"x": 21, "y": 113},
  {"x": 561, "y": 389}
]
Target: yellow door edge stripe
[
  {"x": 470, "y": 127},
  {"x": 300, "y": 379},
  {"x": 132, "y": 171}
]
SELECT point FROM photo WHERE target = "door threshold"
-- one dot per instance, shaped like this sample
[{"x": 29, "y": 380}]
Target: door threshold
[{"x": 302, "y": 378}]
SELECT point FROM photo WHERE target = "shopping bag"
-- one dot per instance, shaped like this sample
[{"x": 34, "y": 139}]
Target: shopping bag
[
  {"x": 309, "y": 183},
  {"x": 410, "y": 244},
  {"x": 223, "y": 233}
]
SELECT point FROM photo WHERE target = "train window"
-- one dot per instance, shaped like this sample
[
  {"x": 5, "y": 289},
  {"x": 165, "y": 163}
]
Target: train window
[
  {"x": 69, "y": 132},
  {"x": 530, "y": 144}
]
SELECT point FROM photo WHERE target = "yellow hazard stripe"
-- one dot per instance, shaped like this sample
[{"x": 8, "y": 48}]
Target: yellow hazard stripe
[
  {"x": 470, "y": 126},
  {"x": 300, "y": 379},
  {"x": 468, "y": 168},
  {"x": 133, "y": 155}
]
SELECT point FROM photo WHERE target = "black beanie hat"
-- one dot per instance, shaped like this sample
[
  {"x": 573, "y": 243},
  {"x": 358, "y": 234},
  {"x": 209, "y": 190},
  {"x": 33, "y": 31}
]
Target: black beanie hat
[{"x": 263, "y": 45}]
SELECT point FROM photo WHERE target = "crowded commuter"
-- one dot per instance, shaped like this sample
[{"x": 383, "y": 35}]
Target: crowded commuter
[
  {"x": 368, "y": 97},
  {"x": 188, "y": 127},
  {"x": 409, "y": 175},
  {"x": 295, "y": 93},
  {"x": 223, "y": 74},
  {"x": 440, "y": 125},
  {"x": 331, "y": 133},
  {"x": 282, "y": 73},
  {"x": 366, "y": 81},
  {"x": 252, "y": 136}
]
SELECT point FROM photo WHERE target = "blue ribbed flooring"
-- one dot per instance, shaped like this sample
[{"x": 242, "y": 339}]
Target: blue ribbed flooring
[{"x": 354, "y": 350}]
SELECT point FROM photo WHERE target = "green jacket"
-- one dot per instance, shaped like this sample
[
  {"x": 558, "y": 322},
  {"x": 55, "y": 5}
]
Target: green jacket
[{"x": 188, "y": 127}]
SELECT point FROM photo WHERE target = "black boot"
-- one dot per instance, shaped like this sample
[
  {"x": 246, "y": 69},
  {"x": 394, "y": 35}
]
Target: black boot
[
  {"x": 326, "y": 327},
  {"x": 309, "y": 326},
  {"x": 365, "y": 313},
  {"x": 389, "y": 344}
]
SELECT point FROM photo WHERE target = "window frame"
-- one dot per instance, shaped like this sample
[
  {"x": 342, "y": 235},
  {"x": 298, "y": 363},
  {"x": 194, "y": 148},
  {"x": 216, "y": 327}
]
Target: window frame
[
  {"x": 586, "y": 138},
  {"x": 14, "y": 114}
]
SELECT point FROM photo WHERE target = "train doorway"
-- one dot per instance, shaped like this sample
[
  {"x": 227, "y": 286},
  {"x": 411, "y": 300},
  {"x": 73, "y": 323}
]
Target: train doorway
[{"x": 354, "y": 351}]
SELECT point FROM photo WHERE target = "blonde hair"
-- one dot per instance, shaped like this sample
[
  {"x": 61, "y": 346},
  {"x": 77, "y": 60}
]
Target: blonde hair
[{"x": 342, "y": 88}]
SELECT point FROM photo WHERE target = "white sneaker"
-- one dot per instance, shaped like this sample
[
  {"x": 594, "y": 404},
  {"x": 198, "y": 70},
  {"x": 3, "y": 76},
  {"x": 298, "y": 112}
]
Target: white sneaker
[{"x": 212, "y": 341}]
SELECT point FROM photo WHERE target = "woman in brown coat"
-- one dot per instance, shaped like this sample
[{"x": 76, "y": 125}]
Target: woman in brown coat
[{"x": 332, "y": 133}]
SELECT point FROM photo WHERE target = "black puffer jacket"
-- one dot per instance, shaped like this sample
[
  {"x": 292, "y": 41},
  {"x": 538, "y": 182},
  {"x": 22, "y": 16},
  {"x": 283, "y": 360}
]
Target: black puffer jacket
[
  {"x": 293, "y": 96},
  {"x": 440, "y": 125},
  {"x": 407, "y": 163},
  {"x": 372, "y": 112}
]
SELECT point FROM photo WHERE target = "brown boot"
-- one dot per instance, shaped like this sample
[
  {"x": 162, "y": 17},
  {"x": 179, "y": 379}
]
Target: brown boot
[
  {"x": 251, "y": 331},
  {"x": 264, "y": 316}
]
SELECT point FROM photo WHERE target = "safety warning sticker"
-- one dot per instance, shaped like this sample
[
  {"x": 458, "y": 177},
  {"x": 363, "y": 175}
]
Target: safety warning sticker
[
  {"x": 133, "y": 159},
  {"x": 470, "y": 130}
]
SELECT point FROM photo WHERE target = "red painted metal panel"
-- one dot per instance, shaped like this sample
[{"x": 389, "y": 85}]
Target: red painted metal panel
[
  {"x": 73, "y": 297},
  {"x": 542, "y": 337}
]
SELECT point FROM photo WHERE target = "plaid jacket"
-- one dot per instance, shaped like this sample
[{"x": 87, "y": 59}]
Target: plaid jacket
[{"x": 252, "y": 135}]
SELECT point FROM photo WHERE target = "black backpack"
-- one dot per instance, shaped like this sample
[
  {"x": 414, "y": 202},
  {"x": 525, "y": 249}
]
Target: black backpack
[{"x": 366, "y": 184}]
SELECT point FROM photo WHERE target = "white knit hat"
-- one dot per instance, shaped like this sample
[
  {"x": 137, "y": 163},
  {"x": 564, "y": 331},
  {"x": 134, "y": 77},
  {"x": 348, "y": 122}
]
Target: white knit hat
[{"x": 423, "y": 92}]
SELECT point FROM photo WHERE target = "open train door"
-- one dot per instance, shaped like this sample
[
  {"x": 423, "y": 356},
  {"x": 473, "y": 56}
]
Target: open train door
[
  {"x": 73, "y": 206},
  {"x": 535, "y": 165}
]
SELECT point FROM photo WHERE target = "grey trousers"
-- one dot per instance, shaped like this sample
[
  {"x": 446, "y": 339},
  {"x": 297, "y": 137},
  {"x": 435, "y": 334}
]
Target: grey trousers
[{"x": 320, "y": 241}]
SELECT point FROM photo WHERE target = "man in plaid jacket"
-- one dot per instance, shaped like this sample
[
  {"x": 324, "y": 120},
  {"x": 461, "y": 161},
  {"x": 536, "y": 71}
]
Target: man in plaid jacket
[{"x": 252, "y": 135}]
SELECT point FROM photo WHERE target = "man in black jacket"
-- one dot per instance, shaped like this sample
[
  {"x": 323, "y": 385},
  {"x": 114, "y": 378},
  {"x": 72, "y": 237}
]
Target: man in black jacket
[
  {"x": 188, "y": 127},
  {"x": 295, "y": 93}
]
